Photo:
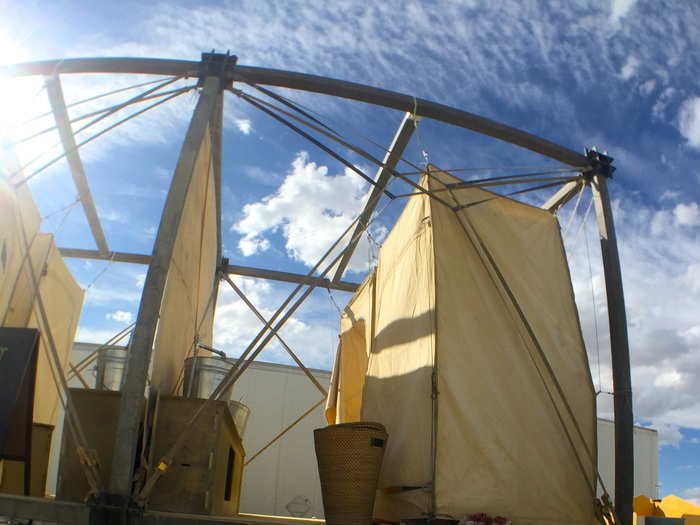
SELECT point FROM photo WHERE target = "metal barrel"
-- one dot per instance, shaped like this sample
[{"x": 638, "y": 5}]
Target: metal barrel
[
  {"x": 202, "y": 375},
  {"x": 111, "y": 364}
]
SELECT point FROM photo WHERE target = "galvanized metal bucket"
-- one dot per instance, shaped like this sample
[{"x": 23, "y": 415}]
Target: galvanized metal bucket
[
  {"x": 202, "y": 375},
  {"x": 111, "y": 366}
]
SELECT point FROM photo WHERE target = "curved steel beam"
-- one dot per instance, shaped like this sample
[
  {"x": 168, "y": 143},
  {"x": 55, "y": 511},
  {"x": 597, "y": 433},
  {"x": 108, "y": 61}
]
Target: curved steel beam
[
  {"x": 311, "y": 83},
  {"x": 126, "y": 65}
]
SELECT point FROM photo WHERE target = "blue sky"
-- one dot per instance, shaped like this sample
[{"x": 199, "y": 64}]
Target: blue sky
[{"x": 621, "y": 75}]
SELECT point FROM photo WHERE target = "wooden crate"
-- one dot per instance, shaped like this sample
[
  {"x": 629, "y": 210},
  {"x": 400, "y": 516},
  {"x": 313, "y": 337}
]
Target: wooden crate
[
  {"x": 205, "y": 477},
  {"x": 98, "y": 411}
]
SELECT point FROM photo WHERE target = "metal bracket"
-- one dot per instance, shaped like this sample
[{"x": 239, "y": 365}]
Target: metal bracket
[
  {"x": 598, "y": 164},
  {"x": 223, "y": 265},
  {"x": 217, "y": 65}
]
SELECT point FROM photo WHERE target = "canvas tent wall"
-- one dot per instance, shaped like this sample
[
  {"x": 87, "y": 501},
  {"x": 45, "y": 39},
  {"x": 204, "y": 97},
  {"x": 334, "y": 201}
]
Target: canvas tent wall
[
  {"x": 465, "y": 343},
  {"x": 187, "y": 309},
  {"x": 24, "y": 251}
]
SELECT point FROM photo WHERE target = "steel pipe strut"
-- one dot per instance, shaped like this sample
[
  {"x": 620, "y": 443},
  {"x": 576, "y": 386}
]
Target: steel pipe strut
[
  {"x": 619, "y": 347},
  {"x": 312, "y": 83},
  {"x": 139, "y": 355}
]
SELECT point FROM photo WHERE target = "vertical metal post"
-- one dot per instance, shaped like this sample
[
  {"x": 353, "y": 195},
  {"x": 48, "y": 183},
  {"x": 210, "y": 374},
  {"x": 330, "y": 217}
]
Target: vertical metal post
[
  {"x": 141, "y": 348},
  {"x": 622, "y": 381},
  {"x": 216, "y": 129}
]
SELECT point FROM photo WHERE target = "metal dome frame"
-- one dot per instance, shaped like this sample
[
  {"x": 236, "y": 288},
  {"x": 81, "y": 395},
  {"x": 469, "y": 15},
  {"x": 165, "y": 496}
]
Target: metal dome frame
[{"x": 216, "y": 73}]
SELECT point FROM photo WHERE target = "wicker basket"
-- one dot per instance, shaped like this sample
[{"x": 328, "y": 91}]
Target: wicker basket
[{"x": 349, "y": 458}]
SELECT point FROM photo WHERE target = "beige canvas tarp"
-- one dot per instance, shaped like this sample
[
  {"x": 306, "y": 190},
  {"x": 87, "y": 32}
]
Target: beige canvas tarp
[
  {"x": 61, "y": 296},
  {"x": 12, "y": 248},
  {"x": 475, "y": 364},
  {"x": 187, "y": 307}
]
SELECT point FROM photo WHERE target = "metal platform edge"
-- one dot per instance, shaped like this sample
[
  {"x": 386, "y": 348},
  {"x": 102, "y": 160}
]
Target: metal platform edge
[{"x": 71, "y": 513}]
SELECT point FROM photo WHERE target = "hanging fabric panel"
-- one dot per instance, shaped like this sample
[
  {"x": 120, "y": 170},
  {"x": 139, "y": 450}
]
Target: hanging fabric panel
[{"x": 187, "y": 307}]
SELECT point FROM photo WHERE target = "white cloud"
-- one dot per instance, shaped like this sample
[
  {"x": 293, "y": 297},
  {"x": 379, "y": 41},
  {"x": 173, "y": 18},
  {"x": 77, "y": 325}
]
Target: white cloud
[
  {"x": 662, "y": 293},
  {"x": 311, "y": 209},
  {"x": 670, "y": 195},
  {"x": 689, "y": 121},
  {"x": 662, "y": 103},
  {"x": 647, "y": 87},
  {"x": 235, "y": 325},
  {"x": 245, "y": 126},
  {"x": 619, "y": 9},
  {"x": 112, "y": 216},
  {"x": 262, "y": 175},
  {"x": 110, "y": 295},
  {"x": 660, "y": 222},
  {"x": 668, "y": 379},
  {"x": 252, "y": 245},
  {"x": 692, "y": 495},
  {"x": 669, "y": 435},
  {"x": 629, "y": 69},
  {"x": 687, "y": 214},
  {"x": 120, "y": 316},
  {"x": 95, "y": 335}
]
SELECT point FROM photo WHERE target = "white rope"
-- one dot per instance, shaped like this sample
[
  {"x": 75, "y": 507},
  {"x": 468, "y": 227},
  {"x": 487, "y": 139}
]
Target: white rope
[
  {"x": 573, "y": 213},
  {"x": 64, "y": 208},
  {"x": 585, "y": 218},
  {"x": 101, "y": 272},
  {"x": 593, "y": 302}
]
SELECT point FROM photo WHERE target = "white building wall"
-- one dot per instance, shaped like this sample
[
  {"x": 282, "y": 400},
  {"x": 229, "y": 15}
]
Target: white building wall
[
  {"x": 283, "y": 480},
  {"x": 646, "y": 459}
]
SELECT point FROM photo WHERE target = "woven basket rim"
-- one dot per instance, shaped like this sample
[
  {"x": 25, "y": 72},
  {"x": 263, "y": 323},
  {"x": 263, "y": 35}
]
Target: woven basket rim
[{"x": 369, "y": 425}]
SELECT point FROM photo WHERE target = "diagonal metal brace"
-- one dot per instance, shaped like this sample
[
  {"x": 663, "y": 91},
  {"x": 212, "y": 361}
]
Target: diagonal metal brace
[{"x": 267, "y": 324}]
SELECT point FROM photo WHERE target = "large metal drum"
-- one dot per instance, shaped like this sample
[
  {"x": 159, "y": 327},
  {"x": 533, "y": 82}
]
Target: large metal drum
[
  {"x": 202, "y": 375},
  {"x": 111, "y": 364}
]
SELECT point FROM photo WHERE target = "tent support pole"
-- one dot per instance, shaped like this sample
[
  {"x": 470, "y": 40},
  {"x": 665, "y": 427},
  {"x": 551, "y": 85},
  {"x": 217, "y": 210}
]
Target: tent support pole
[
  {"x": 139, "y": 356},
  {"x": 383, "y": 177},
  {"x": 245, "y": 271},
  {"x": 564, "y": 195},
  {"x": 311, "y": 83},
  {"x": 65, "y": 131},
  {"x": 622, "y": 382},
  {"x": 216, "y": 130}
]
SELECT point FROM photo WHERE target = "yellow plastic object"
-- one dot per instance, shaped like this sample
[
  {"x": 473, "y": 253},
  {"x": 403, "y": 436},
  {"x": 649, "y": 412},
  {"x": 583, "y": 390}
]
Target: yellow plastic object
[
  {"x": 644, "y": 506},
  {"x": 671, "y": 507},
  {"x": 675, "y": 507}
]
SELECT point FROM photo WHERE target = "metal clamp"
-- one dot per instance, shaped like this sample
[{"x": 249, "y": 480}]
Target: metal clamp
[
  {"x": 217, "y": 65},
  {"x": 598, "y": 164}
]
